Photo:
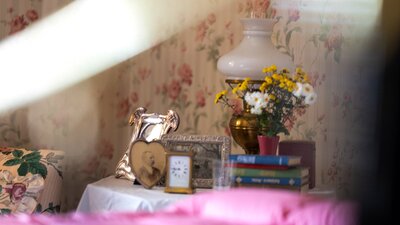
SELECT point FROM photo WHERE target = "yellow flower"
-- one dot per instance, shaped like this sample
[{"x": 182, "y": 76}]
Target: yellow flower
[
  {"x": 305, "y": 78},
  {"x": 244, "y": 84},
  {"x": 268, "y": 80},
  {"x": 289, "y": 83},
  {"x": 235, "y": 89},
  {"x": 273, "y": 68},
  {"x": 272, "y": 97},
  {"x": 219, "y": 96},
  {"x": 275, "y": 76},
  {"x": 285, "y": 71},
  {"x": 265, "y": 70},
  {"x": 263, "y": 86}
]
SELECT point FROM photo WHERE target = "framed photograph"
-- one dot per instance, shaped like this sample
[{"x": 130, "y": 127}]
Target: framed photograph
[
  {"x": 148, "y": 162},
  {"x": 206, "y": 148}
]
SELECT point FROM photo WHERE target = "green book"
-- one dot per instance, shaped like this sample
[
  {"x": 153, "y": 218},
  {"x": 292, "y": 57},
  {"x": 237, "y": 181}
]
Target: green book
[{"x": 292, "y": 172}]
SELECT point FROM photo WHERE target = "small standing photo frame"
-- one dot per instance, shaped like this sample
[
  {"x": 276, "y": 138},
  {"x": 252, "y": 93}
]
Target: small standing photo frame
[
  {"x": 148, "y": 162},
  {"x": 206, "y": 148},
  {"x": 179, "y": 172}
]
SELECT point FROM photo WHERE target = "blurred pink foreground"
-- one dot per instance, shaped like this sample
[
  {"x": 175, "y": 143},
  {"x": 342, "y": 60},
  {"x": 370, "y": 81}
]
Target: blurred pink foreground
[{"x": 236, "y": 206}]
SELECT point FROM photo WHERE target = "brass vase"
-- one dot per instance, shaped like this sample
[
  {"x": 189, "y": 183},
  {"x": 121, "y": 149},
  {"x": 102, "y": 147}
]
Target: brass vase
[{"x": 244, "y": 129}]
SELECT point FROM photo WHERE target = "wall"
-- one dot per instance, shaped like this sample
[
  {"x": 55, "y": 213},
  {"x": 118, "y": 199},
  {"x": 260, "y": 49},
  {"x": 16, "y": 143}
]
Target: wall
[{"x": 90, "y": 120}]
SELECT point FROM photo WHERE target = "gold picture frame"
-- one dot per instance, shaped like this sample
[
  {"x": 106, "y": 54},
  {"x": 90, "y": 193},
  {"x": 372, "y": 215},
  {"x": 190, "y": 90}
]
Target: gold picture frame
[{"x": 206, "y": 148}]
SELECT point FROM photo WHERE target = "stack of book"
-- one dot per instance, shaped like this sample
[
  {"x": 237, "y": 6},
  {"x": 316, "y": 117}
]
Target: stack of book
[{"x": 269, "y": 171}]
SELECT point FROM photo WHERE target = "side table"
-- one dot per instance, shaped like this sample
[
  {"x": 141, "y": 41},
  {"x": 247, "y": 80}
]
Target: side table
[{"x": 112, "y": 194}]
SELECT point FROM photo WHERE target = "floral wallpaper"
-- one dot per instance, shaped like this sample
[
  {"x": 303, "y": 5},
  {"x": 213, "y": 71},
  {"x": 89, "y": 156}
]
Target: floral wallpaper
[{"x": 89, "y": 121}]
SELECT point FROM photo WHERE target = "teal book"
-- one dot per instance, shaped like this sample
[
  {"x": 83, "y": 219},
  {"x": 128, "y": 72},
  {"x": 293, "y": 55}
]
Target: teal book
[
  {"x": 291, "y": 181},
  {"x": 284, "y": 160},
  {"x": 291, "y": 172}
]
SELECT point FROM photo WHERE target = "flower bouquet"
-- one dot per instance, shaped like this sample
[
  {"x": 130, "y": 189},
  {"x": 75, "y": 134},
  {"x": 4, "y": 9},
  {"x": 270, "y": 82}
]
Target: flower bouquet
[{"x": 275, "y": 100}]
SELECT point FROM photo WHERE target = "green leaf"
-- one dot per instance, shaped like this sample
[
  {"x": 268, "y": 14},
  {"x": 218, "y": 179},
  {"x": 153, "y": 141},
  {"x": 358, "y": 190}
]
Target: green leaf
[
  {"x": 52, "y": 208},
  {"x": 34, "y": 159},
  {"x": 38, "y": 168},
  {"x": 219, "y": 40},
  {"x": 200, "y": 48},
  {"x": 33, "y": 170},
  {"x": 38, "y": 208},
  {"x": 336, "y": 55},
  {"x": 23, "y": 169},
  {"x": 12, "y": 162},
  {"x": 278, "y": 35},
  {"x": 34, "y": 156},
  {"x": 5, "y": 211},
  {"x": 31, "y": 155},
  {"x": 17, "y": 153},
  {"x": 322, "y": 37},
  {"x": 289, "y": 34}
]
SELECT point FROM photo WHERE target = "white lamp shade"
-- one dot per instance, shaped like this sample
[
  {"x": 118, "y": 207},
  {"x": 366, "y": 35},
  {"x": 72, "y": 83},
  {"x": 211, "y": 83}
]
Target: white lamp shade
[{"x": 253, "y": 53}]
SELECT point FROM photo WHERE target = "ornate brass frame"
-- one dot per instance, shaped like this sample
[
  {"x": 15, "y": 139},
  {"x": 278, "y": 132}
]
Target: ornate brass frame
[
  {"x": 206, "y": 148},
  {"x": 149, "y": 127}
]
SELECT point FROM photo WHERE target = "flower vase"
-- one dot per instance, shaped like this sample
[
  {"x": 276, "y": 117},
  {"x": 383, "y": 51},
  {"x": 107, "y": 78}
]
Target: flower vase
[
  {"x": 244, "y": 130},
  {"x": 268, "y": 145}
]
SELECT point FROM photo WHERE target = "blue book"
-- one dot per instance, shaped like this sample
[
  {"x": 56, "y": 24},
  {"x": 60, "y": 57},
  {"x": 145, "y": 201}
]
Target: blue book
[
  {"x": 294, "y": 181},
  {"x": 284, "y": 160}
]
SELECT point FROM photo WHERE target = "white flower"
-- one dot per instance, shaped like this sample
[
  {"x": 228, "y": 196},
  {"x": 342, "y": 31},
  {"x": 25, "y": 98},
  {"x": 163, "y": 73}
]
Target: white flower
[
  {"x": 307, "y": 90},
  {"x": 253, "y": 98},
  {"x": 262, "y": 103},
  {"x": 6, "y": 176},
  {"x": 298, "y": 90},
  {"x": 311, "y": 98},
  {"x": 248, "y": 98},
  {"x": 26, "y": 205},
  {"x": 256, "y": 110}
]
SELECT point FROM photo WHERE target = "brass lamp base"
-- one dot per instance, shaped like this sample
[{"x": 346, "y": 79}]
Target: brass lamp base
[
  {"x": 245, "y": 127},
  {"x": 244, "y": 130}
]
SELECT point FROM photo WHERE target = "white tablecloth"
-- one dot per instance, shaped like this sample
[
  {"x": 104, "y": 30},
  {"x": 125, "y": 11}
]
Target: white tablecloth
[{"x": 111, "y": 194}]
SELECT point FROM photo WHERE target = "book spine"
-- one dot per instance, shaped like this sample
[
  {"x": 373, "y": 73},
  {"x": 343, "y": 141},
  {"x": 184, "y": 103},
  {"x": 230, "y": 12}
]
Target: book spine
[
  {"x": 258, "y": 166},
  {"x": 269, "y": 180},
  {"x": 303, "y": 188},
  {"x": 253, "y": 159},
  {"x": 296, "y": 172}
]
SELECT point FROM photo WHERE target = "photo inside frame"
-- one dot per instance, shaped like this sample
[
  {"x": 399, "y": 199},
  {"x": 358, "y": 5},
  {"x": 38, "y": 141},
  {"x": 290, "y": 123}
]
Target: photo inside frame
[
  {"x": 148, "y": 162},
  {"x": 205, "y": 149}
]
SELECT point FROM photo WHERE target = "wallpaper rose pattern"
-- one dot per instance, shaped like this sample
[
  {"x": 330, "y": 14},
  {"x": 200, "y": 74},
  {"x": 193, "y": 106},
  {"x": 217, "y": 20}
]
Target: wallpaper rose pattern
[{"x": 90, "y": 120}]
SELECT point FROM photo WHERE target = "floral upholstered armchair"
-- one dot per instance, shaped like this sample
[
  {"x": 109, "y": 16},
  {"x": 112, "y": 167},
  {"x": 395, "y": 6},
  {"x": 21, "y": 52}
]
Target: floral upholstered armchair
[{"x": 30, "y": 180}]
